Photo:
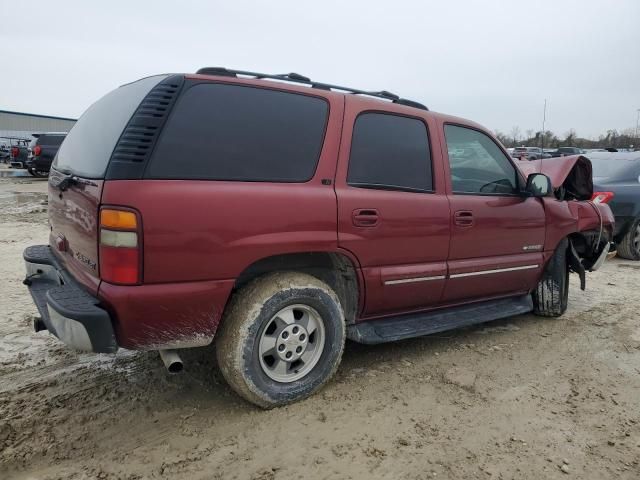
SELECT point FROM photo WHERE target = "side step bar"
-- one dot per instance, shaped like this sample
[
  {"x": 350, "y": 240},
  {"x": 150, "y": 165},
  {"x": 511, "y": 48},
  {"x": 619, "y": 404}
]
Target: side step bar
[{"x": 418, "y": 324}]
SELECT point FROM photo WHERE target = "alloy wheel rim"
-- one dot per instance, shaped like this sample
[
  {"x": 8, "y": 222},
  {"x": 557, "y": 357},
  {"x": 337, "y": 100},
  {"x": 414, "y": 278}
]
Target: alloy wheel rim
[{"x": 291, "y": 343}]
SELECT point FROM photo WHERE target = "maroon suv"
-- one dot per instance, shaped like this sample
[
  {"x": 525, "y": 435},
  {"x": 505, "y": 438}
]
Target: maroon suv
[{"x": 281, "y": 216}]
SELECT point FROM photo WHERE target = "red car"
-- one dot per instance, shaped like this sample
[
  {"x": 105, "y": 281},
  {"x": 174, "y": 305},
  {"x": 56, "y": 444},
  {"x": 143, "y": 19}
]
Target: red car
[{"x": 280, "y": 216}]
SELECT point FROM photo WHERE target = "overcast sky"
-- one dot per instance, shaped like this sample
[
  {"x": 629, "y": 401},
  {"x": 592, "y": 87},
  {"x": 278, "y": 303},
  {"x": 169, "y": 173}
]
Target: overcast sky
[{"x": 490, "y": 61}]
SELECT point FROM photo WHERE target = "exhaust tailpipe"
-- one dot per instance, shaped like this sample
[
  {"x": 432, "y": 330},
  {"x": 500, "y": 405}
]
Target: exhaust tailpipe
[{"x": 171, "y": 360}]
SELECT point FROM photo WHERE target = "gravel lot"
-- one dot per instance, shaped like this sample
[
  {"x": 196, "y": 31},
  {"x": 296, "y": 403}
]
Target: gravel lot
[{"x": 526, "y": 397}]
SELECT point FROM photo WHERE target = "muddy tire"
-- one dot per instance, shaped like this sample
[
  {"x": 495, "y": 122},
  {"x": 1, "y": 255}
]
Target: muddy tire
[
  {"x": 281, "y": 338},
  {"x": 629, "y": 246},
  {"x": 551, "y": 296}
]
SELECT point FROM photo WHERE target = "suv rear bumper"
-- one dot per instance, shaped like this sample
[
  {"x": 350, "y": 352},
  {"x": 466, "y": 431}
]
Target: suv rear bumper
[{"x": 67, "y": 310}]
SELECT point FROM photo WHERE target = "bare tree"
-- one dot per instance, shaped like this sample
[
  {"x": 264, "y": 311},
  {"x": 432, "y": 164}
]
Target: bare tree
[
  {"x": 570, "y": 137},
  {"x": 515, "y": 135},
  {"x": 529, "y": 134}
]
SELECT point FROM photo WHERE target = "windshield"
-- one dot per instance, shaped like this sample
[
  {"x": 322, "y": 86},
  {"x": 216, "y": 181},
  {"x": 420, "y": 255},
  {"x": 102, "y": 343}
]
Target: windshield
[{"x": 88, "y": 146}]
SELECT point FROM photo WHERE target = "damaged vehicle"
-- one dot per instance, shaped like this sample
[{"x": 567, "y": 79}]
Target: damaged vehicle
[{"x": 279, "y": 216}]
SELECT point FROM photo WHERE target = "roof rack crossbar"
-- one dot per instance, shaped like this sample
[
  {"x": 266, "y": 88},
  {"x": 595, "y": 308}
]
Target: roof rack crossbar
[{"x": 297, "y": 78}]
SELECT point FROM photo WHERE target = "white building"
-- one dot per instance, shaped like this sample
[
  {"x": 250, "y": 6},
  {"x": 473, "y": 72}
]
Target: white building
[{"x": 18, "y": 124}]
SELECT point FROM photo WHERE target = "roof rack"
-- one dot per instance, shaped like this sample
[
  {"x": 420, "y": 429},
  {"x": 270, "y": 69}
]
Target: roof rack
[{"x": 297, "y": 78}]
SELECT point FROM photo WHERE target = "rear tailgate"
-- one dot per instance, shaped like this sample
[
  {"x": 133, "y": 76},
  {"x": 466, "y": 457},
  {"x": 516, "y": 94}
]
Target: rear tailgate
[
  {"x": 77, "y": 178},
  {"x": 73, "y": 217}
]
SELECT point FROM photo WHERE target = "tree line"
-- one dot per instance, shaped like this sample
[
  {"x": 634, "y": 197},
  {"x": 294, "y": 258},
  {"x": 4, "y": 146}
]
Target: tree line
[{"x": 530, "y": 138}]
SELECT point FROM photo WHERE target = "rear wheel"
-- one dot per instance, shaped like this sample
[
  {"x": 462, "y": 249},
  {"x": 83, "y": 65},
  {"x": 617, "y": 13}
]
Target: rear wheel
[
  {"x": 281, "y": 339},
  {"x": 629, "y": 247},
  {"x": 551, "y": 296}
]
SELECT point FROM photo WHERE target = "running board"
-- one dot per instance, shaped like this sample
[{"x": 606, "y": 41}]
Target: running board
[{"x": 418, "y": 324}]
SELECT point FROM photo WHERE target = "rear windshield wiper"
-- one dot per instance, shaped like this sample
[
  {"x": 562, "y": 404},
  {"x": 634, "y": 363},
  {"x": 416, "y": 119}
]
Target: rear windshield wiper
[{"x": 71, "y": 179}]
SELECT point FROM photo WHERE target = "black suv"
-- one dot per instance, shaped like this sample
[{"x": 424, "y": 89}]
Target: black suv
[{"x": 44, "y": 148}]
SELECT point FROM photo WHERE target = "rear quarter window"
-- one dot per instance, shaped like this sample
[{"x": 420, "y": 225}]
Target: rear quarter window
[
  {"x": 241, "y": 133},
  {"x": 51, "y": 140},
  {"x": 88, "y": 146}
]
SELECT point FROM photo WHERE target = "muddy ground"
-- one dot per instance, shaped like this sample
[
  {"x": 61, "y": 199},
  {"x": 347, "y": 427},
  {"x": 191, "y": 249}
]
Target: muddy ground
[{"x": 526, "y": 397}]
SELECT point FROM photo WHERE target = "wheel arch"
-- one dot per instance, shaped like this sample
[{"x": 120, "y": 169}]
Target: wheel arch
[{"x": 338, "y": 269}]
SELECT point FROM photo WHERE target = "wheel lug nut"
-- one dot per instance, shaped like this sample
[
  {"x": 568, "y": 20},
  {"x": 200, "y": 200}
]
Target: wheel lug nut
[
  {"x": 281, "y": 347},
  {"x": 302, "y": 337},
  {"x": 289, "y": 354},
  {"x": 298, "y": 349},
  {"x": 285, "y": 334},
  {"x": 295, "y": 330}
]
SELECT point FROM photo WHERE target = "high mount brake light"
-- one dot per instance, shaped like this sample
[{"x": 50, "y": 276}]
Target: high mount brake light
[
  {"x": 120, "y": 247},
  {"x": 602, "y": 197}
]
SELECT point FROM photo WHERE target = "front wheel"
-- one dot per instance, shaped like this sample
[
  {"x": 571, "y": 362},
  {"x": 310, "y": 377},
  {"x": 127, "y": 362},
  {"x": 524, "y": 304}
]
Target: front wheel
[
  {"x": 629, "y": 247},
  {"x": 551, "y": 296},
  {"x": 281, "y": 339}
]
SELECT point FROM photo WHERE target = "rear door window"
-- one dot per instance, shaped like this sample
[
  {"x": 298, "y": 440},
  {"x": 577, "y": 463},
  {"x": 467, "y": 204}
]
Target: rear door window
[
  {"x": 477, "y": 164},
  {"x": 88, "y": 146},
  {"x": 390, "y": 152},
  {"x": 241, "y": 133}
]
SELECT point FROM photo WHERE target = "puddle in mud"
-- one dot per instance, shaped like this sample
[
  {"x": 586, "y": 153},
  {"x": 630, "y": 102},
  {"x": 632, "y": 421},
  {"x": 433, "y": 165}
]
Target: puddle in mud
[
  {"x": 14, "y": 173},
  {"x": 23, "y": 198},
  {"x": 22, "y": 202}
]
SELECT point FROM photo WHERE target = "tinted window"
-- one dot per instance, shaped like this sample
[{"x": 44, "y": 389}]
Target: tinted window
[
  {"x": 231, "y": 132},
  {"x": 389, "y": 151},
  {"x": 477, "y": 164},
  {"x": 51, "y": 140},
  {"x": 88, "y": 146}
]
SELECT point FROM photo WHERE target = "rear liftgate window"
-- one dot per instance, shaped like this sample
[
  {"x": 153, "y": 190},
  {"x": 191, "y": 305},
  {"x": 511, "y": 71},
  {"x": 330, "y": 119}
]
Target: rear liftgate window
[
  {"x": 231, "y": 132},
  {"x": 88, "y": 146}
]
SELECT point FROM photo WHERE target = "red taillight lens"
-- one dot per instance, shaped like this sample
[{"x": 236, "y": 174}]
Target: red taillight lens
[
  {"x": 119, "y": 265},
  {"x": 36, "y": 150},
  {"x": 120, "y": 245},
  {"x": 602, "y": 197},
  {"x": 15, "y": 151}
]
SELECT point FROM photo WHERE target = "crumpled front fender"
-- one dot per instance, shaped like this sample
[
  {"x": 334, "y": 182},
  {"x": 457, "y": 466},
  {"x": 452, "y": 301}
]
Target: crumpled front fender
[{"x": 572, "y": 176}]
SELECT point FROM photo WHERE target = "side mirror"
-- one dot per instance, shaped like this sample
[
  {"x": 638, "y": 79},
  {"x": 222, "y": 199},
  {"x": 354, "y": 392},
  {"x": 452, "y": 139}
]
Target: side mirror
[{"x": 538, "y": 185}]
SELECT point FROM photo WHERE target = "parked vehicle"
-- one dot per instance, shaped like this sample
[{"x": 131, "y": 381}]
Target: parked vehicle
[
  {"x": 44, "y": 148},
  {"x": 529, "y": 153},
  {"x": 19, "y": 153},
  {"x": 279, "y": 218},
  {"x": 617, "y": 183},
  {"x": 566, "y": 151},
  {"x": 5, "y": 152}
]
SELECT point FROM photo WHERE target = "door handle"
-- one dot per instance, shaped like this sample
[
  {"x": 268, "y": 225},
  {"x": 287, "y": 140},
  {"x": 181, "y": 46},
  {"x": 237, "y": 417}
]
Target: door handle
[
  {"x": 365, "y": 217},
  {"x": 463, "y": 218}
]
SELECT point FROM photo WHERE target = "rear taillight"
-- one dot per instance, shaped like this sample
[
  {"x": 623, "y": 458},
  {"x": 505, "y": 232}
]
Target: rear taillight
[
  {"x": 602, "y": 197},
  {"x": 120, "y": 246},
  {"x": 36, "y": 150},
  {"x": 15, "y": 151}
]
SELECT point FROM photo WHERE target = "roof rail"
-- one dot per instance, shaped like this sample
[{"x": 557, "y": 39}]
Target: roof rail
[{"x": 297, "y": 78}]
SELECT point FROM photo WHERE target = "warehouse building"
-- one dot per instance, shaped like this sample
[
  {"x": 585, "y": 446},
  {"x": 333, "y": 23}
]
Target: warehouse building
[{"x": 18, "y": 124}]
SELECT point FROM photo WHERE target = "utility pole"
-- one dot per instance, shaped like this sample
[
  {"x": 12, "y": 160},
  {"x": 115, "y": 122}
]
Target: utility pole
[
  {"x": 544, "y": 118},
  {"x": 637, "y": 125}
]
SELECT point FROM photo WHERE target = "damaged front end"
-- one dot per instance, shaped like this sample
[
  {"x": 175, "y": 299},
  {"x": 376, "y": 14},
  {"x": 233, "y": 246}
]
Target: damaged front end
[{"x": 571, "y": 213}]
